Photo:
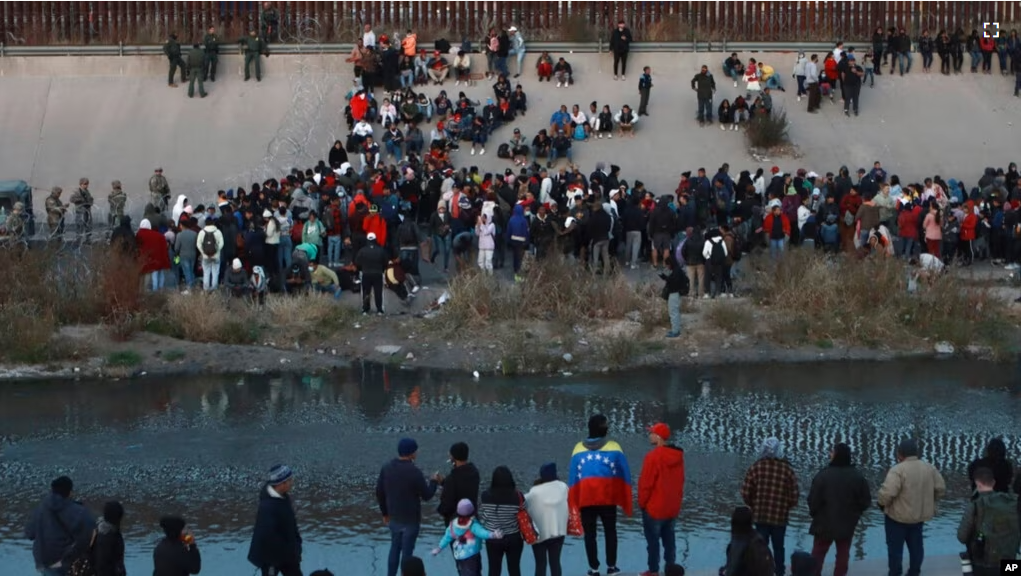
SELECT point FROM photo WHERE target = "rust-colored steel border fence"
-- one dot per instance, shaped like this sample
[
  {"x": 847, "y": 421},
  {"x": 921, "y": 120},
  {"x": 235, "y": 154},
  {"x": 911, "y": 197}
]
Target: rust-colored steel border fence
[{"x": 61, "y": 23}]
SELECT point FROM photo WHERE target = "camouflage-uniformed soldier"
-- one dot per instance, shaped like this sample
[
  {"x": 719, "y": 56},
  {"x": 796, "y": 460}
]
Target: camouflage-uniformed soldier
[
  {"x": 211, "y": 44},
  {"x": 159, "y": 189},
  {"x": 270, "y": 21},
  {"x": 173, "y": 51},
  {"x": 118, "y": 200},
  {"x": 55, "y": 210},
  {"x": 82, "y": 201},
  {"x": 15, "y": 223},
  {"x": 254, "y": 47},
  {"x": 196, "y": 62}
]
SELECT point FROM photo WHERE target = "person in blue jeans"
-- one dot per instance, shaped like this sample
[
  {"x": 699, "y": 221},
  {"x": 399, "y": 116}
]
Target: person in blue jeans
[
  {"x": 439, "y": 229},
  {"x": 908, "y": 500},
  {"x": 660, "y": 491},
  {"x": 400, "y": 490}
]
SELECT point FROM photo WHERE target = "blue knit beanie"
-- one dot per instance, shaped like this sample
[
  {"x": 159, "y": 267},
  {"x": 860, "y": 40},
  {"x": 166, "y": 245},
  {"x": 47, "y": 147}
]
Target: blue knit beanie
[{"x": 279, "y": 474}]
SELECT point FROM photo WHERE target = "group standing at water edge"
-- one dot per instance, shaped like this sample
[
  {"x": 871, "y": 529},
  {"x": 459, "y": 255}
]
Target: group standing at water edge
[{"x": 503, "y": 518}]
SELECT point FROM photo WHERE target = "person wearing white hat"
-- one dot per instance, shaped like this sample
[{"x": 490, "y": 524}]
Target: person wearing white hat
[
  {"x": 517, "y": 48},
  {"x": 237, "y": 280},
  {"x": 372, "y": 261}
]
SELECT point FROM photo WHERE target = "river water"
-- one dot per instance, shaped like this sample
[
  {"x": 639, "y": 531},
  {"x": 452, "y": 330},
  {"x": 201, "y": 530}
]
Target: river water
[{"x": 199, "y": 446}]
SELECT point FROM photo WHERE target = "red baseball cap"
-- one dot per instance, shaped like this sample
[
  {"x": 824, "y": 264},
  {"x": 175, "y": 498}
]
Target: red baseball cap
[{"x": 660, "y": 429}]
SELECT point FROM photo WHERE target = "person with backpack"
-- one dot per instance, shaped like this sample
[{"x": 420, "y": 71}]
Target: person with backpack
[
  {"x": 210, "y": 244},
  {"x": 715, "y": 253},
  {"x": 747, "y": 552},
  {"x": 908, "y": 499},
  {"x": 733, "y": 244},
  {"x": 838, "y": 498},
  {"x": 989, "y": 527},
  {"x": 770, "y": 489}
]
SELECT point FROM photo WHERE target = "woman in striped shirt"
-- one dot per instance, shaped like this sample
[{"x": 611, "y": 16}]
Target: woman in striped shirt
[{"x": 498, "y": 509}]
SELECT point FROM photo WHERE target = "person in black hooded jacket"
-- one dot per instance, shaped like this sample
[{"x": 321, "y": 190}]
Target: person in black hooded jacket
[
  {"x": 461, "y": 484},
  {"x": 176, "y": 554},
  {"x": 108, "y": 550},
  {"x": 276, "y": 542}
]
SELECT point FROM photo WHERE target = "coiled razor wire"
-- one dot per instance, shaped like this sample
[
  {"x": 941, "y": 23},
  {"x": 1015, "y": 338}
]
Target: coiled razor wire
[{"x": 311, "y": 82}]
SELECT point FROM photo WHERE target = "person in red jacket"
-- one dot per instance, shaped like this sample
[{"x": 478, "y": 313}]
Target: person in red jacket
[
  {"x": 660, "y": 492},
  {"x": 907, "y": 227},
  {"x": 969, "y": 232},
  {"x": 374, "y": 224},
  {"x": 777, "y": 228},
  {"x": 849, "y": 204},
  {"x": 153, "y": 253}
]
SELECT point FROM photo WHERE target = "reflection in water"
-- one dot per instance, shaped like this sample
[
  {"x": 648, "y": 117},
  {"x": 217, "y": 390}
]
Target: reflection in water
[{"x": 200, "y": 446}]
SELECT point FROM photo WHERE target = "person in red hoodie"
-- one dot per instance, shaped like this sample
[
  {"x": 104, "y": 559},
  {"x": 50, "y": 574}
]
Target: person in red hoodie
[
  {"x": 969, "y": 232},
  {"x": 777, "y": 229},
  {"x": 374, "y": 224},
  {"x": 660, "y": 492},
  {"x": 907, "y": 227},
  {"x": 153, "y": 254}
]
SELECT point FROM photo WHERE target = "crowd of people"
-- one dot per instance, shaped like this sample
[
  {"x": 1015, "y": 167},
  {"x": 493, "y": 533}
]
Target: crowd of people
[{"x": 501, "y": 517}]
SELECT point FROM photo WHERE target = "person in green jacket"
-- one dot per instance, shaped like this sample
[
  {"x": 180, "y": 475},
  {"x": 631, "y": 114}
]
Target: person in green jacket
[
  {"x": 196, "y": 62},
  {"x": 254, "y": 47},
  {"x": 173, "y": 51},
  {"x": 211, "y": 44}
]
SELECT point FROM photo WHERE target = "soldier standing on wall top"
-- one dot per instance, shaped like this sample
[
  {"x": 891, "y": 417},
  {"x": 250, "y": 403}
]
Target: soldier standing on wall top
[
  {"x": 254, "y": 47},
  {"x": 196, "y": 66},
  {"x": 211, "y": 43},
  {"x": 270, "y": 23},
  {"x": 159, "y": 189},
  {"x": 173, "y": 51}
]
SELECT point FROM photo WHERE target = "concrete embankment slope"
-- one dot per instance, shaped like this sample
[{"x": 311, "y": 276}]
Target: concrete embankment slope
[{"x": 114, "y": 118}]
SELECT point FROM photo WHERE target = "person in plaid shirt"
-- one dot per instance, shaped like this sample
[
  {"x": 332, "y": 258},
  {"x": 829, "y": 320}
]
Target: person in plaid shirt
[{"x": 770, "y": 489}]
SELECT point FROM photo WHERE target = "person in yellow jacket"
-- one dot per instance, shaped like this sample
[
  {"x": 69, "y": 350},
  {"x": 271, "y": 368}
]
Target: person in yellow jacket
[
  {"x": 908, "y": 499},
  {"x": 770, "y": 77}
]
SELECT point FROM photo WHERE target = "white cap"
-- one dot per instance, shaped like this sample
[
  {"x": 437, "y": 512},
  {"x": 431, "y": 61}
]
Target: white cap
[
  {"x": 811, "y": 175},
  {"x": 236, "y": 264},
  {"x": 371, "y": 236}
]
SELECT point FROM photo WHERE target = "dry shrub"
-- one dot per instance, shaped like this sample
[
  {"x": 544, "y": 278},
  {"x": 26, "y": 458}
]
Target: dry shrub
[
  {"x": 731, "y": 317},
  {"x": 305, "y": 318},
  {"x": 575, "y": 28},
  {"x": 866, "y": 303},
  {"x": 768, "y": 130},
  {"x": 208, "y": 317},
  {"x": 552, "y": 290}
]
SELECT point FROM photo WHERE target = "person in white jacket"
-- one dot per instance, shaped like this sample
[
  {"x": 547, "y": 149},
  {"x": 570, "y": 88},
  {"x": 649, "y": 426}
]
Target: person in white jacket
[
  {"x": 210, "y": 262},
  {"x": 546, "y": 503}
]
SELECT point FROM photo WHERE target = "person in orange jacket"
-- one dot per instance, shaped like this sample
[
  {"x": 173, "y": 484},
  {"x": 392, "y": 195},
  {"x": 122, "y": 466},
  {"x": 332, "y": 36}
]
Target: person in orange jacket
[
  {"x": 374, "y": 224},
  {"x": 777, "y": 228},
  {"x": 660, "y": 493}
]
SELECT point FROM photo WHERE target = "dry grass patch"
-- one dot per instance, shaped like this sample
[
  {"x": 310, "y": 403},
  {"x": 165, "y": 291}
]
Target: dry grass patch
[
  {"x": 866, "y": 303},
  {"x": 731, "y": 317},
  {"x": 553, "y": 290}
]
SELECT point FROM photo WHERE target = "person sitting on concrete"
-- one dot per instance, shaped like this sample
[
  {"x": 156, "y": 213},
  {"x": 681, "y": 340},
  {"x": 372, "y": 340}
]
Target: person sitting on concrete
[
  {"x": 725, "y": 114},
  {"x": 438, "y": 68},
  {"x": 626, "y": 120},
  {"x": 563, "y": 72},
  {"x": 519, "y": 100},
  {"x": 542, "y": 145},
  {"x": 561, "y": 148},
  {"x": 560, "y": 120},
  {"x": 579, "y": 119},
  {"x": 602, "y": 123},
  {"x": 741, "y": 111},
  {"x": 733, "y": 68},
  {"x": 770, "y": 77},
  {"x": 462, "y": 69},
  {"x": 237, "y": 280},
  {"x": 544, "y": 66}
]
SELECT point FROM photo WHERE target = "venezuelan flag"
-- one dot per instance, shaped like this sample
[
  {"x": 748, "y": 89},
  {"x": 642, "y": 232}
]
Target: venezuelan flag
[{"x": 599, "y": 476}]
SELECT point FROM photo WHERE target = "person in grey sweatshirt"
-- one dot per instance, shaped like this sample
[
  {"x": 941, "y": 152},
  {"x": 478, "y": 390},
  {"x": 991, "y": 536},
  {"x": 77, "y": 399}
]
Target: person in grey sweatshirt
[
  {"x": 799, "y": 74},
  {"x": 187, "y": 250}
]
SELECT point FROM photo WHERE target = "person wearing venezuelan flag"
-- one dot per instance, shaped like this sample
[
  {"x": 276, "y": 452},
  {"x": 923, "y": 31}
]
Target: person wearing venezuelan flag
[{"x": 599, "y": 482}]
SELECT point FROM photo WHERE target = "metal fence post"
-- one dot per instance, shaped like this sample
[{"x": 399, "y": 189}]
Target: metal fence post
[{"x": 120, "y": 48}]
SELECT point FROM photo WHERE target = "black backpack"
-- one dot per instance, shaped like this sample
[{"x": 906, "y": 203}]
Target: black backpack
[
  {"x": 406, "y": 234},
  {"x": 685, "y": 285},
  {"x": 718, "y": 255},
  {"x": 503, "y": 151},
  {"x": 209, "y": 246},
  {"x": 738, "y": 249}
]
